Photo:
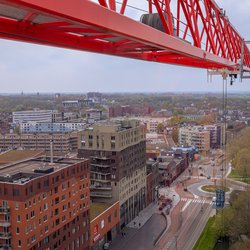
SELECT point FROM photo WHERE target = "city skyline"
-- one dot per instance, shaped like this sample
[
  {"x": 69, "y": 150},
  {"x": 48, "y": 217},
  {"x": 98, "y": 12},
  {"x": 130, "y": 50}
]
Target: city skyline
[{"x": 34, "y": 68}]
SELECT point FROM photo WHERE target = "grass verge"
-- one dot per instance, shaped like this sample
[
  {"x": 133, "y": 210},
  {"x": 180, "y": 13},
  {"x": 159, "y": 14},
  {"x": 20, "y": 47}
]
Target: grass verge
[
  {"x": 207, "y": 238},
  {"x": 213, "y": 188},
  {"x": 238, "y": 177}
]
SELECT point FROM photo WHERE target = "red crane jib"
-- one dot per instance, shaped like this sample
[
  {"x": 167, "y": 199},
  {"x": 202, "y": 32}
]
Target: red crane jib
[{"x": 183, "y": 32}]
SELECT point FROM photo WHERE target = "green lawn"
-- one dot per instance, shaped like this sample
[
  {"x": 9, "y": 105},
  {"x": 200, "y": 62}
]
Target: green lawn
[
  {"x": 238, "y": 177},
  {"x": 96, "y": 208},
  {"x": 213, "y": 188},
  {"x": 207, "y": 239}
]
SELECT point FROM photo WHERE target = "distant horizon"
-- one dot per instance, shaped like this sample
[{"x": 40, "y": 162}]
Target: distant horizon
[{"x": 124, "y": 92}]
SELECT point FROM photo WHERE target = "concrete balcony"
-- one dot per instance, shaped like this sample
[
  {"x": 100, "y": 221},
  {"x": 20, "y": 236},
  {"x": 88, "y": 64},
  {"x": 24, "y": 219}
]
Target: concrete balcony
[
  {"x": 100, "y": 188},
  {"x": 5, "y": 235},
  {"x": 100, "y": 194},
  {"x": 4, "y": 223},
  {"x": 5, "y": 247},
  {"x": 4, "y": 210}
]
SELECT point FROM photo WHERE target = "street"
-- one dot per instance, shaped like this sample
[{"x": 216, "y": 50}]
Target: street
[{"x": 191, "y": 210}]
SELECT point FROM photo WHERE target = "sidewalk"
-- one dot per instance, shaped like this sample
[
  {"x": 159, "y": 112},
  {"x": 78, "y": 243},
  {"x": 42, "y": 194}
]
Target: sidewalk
[
  {"x": 146, "y": 213},
  {"x": 143, "y": 216}
]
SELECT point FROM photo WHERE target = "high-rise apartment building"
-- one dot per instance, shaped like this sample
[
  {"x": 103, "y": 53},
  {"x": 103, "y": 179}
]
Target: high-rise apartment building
[
  {"x": 45, "y": 205},
  {"x": 117, "y": 152}
]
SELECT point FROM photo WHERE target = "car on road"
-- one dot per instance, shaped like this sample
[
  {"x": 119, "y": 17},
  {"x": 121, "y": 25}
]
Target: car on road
[
  {"x": 209, "y": 177},
  {"x": 106, "y": 246}
]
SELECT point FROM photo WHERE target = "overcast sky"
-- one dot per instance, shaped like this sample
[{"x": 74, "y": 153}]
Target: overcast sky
[{"x": 32, "y": 68}]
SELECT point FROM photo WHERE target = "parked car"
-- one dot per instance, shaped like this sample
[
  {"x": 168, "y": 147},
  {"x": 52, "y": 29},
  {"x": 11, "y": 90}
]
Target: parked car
[{"x": 106, "y": 246}]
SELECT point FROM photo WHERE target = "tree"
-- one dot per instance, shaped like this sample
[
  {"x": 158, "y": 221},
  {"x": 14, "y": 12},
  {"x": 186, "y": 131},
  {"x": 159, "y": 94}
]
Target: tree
[
  {"x": 241, "y": 162},
  {"x": 175, "y": 135},
  {"x": 207, "y": 119},
  {"x": 242, "y": 245},
  {"x": 234, "y": 221},
  {"x": 160, "y": 128}
]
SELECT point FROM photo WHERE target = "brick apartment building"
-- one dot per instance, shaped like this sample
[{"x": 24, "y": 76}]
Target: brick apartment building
[
  {"x": 117, "y": 152},
  {"x": 142, "y": 110},
  {"x": 153, "y": 179},
  {"x": 104, "y": 223},
  {"x": 171, "y": 164},
  {"x": 45, "y": 206}
]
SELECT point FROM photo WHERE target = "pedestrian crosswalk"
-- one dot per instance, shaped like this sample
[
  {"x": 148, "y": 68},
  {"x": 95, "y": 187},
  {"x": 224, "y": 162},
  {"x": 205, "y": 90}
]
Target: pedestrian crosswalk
[{"x": 202, "y": 201}]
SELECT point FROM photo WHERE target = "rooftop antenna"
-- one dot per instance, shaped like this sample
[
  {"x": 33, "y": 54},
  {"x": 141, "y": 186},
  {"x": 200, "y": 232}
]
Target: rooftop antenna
[{"x": 51, "y": 152}]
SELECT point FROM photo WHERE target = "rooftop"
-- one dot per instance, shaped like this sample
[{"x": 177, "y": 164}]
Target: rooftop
[
  {"x": 97, "y": 208},
  {"x": 22, "y": 172},
  {"x": 18, "y": 155}
]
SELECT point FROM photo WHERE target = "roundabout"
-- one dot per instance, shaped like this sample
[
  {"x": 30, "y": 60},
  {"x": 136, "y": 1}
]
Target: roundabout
[{"x": 213, "y": 188}]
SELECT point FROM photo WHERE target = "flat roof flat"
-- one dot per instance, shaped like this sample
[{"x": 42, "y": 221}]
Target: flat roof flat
[
  {"x": 33, "y": 168},
  {"x": 96, "y": 208}
]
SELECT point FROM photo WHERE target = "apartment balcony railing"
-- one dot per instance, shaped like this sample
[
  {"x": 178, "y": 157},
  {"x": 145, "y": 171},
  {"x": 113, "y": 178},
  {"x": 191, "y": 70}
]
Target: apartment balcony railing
[
  {"x": 4, "y": 209},
  {"x": 100, "y": 165},
  {"x": 99, "y": 180},
  {"x": 100, "y": 194},
  {"x": 4, "y": 223},
  {"x": 5, "y": 235},
  {"x": 5, "y": 247},
  {"x": 100, "y": 172},
  {"x": 100, "y": 188}
]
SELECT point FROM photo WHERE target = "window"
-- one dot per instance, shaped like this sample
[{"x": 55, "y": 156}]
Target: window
[
  {"x": 33, "y": 238},
  {"x": 57, "y": 222},
  {"x": 17, "y": 230},
  {"x": 18, "y": 218},
  {"x": 45, "y": 206},
  {"x": 56, "y": 200},
  {"x": 64, "y": 218},
  {"x": 19, "y": 243},
  {"x": 45, "y": 217},
  {"x": 63, "y": 197},
  {"x": 44, "y": 195},
  {"x": 46, "y": 229},
  {"x": 32, "y": 214},
  {"x": 15, "y": 192},
  {"x": 109, "y": 218},
  {"x": 16, "y": 205}
]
